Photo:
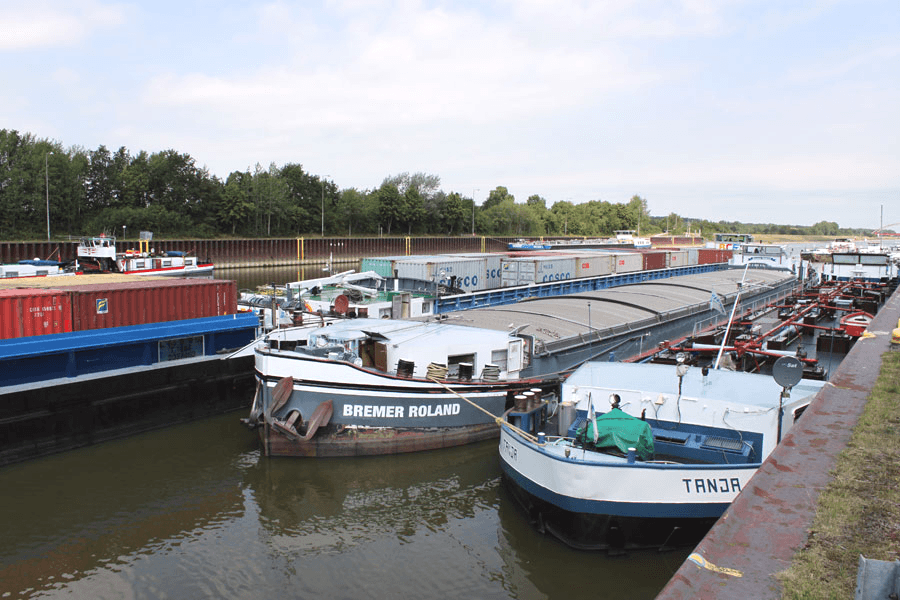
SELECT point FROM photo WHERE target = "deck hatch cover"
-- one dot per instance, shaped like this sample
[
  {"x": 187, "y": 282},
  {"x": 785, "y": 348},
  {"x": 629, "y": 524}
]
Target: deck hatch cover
[{"x": 723, "y": 443}]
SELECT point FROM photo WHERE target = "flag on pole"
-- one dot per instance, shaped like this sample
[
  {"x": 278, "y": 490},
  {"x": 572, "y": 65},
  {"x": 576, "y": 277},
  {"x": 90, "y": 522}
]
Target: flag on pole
[
  {"x": 715, "y": 303},
  {"x": 592, "y": 419}
]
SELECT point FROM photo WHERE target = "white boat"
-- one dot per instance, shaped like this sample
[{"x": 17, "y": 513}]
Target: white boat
[
  {"x": 760, "y": 255},
  {"x": 345, "y": 294},
  {"x": 34, "y": 268},
  {"x": 99, "y": 254},
  {"x": 379, "y": 386},
  {"x": 708, "y": 431}
]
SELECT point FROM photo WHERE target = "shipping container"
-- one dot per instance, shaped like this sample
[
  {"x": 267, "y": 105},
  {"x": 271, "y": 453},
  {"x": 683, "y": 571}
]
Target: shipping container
[
  {"x": 709, "y": 256},
  {"x": 526, "y": 271},
  {"x": 464, "y": 273},
  {"x": 28, "y": 312},
  {"x": 677, "y": 258},
  {"x": 594, "y": 264},
  {"x": 693, "y": 256},
  {"x": 491, "y": 265},
  {"x": 386, "y": 265},
  {"x": 628, "y": 262},
  {"x": 96, "y": 306},
  {"x": 654, "y": 260}
]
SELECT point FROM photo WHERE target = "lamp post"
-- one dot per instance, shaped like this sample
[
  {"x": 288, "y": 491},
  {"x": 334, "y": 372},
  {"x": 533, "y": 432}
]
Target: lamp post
[
  {"x": 323, "y": 204},
  {"x": 47, "y": 188},
  {"x": 473, "y": 211}
]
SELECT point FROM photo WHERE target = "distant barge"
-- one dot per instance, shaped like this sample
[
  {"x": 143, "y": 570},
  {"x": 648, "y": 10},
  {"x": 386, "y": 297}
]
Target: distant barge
[{"x": 94, "y": 357}]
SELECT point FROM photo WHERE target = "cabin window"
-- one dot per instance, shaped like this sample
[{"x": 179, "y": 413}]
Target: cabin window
[
  {"x": 799, "y": 412},
  {"x": 12, "y": 273},
  {"x": 453, "y": 363},
  {"x": 189, "y": 261},
  {"x": 167, "y": 263},
  {"x": 139, "y": 264},
  {"x": 39, "y": 272}
]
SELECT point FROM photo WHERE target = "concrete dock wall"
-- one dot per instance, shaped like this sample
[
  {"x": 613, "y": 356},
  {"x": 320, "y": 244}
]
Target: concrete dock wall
[{"x": 769, "y": 521}]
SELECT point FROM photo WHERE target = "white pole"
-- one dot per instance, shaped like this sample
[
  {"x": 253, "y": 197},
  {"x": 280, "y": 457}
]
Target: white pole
[
  {"x": 47, "y": 188},
  {"x": 731, "y": 318}
]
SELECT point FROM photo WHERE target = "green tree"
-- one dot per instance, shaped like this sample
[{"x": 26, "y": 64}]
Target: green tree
[
  {"x": 497, "y": 196},
  {"x": 390, "y": 205},
  {"x": 236, "y": 206},
  {"x": 455, "y": 215}
]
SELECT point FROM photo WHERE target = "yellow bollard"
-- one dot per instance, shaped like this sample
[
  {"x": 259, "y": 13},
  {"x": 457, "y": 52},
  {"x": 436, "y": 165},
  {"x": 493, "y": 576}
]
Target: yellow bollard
[{"x": 895, "y": 337}]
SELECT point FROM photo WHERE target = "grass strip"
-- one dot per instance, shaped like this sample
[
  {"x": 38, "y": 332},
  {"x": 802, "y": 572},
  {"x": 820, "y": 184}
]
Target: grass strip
[{"x": 858, "y": 513}]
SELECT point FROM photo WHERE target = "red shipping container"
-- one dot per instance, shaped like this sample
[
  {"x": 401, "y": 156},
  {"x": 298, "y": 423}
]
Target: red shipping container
[
  {"x": 654, "y": 260},
  {"x": 27, "y": 312},
  {"x": 710, "y": 256},
  {"x": 97, "y": 306}
]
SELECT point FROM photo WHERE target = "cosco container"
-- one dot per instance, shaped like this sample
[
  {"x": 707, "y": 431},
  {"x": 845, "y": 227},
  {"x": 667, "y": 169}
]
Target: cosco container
[
  {"x": 154, "y": 301},
  {"x": 463, "y": 273},
  {"x": 525, "y": 271},
  {"x": 28, "y": 312},
  {"x": 628, "y": 262},
  {"x": 491, "y": 267}
]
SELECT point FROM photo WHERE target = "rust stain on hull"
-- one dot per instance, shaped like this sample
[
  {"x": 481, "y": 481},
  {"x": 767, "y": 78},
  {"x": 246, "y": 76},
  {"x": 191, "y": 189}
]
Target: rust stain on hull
[{"x": 373, "y": 442}]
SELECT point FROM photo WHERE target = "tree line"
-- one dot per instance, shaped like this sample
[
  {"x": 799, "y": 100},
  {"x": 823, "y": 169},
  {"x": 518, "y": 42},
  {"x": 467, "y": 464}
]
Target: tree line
[{"x": 94, "y": 191}]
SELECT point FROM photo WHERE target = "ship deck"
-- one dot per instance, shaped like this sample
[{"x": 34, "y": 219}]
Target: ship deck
[{"x": 614, "y": 311}]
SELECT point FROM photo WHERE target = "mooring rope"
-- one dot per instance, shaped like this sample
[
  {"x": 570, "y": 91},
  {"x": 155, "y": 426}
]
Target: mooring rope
[{"x": 497, "y": 420}]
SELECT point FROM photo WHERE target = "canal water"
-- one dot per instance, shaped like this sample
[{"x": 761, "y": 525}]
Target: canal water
[{"x": 194, "y": 511}]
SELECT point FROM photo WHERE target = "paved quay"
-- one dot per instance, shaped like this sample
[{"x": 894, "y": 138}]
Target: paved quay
[{"x": 768, "y": 523}]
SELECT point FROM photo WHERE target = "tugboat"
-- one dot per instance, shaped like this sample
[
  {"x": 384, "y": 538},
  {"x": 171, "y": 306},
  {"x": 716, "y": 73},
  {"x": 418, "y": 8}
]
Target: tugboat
[{"x": 99, "y": 255}]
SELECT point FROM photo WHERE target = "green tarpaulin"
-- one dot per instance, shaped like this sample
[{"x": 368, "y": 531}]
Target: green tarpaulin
[{"x": 619, "y": 431}]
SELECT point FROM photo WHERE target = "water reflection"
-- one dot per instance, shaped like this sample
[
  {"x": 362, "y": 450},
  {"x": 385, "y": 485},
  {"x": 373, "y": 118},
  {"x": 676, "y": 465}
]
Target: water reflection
[
  {"x": 195, "y": 511},
  {"x": 92, "y": 510}
]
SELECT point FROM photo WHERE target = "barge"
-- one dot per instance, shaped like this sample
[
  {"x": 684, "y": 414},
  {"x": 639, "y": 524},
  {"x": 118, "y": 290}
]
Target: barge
[
  {"x": 89, "y": 358},
  {"x": 644, "y": 455},
  {"x": 377, "y": 387}
]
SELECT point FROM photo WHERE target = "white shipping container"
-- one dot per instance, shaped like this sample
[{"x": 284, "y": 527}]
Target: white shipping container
[
  {"x": 693, "y": 256},
  {"x": 593, "y": 265},
  {"x": 386, "y": 265},
  {"x": 538, "y": 269},
  {"x": 492, "y": 274},
  {"x": 628, "y": 262},
  {"x": 677, "y": 258},
  {"x": 464, "y": 273}
]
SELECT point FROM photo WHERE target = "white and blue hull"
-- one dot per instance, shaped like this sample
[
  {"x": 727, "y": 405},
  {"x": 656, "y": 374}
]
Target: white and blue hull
[
  {"x": 711, "y": 431},
  {"x": 592, "y": 483}
]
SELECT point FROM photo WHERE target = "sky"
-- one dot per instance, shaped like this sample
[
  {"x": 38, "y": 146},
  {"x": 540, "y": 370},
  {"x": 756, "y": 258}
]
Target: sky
[{"x": 761, "y": 111}]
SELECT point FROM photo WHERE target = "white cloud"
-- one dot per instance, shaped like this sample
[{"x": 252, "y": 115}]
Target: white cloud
[
  {"x": 30, "y": 25},
  {"x": 566, "y": 98}
]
